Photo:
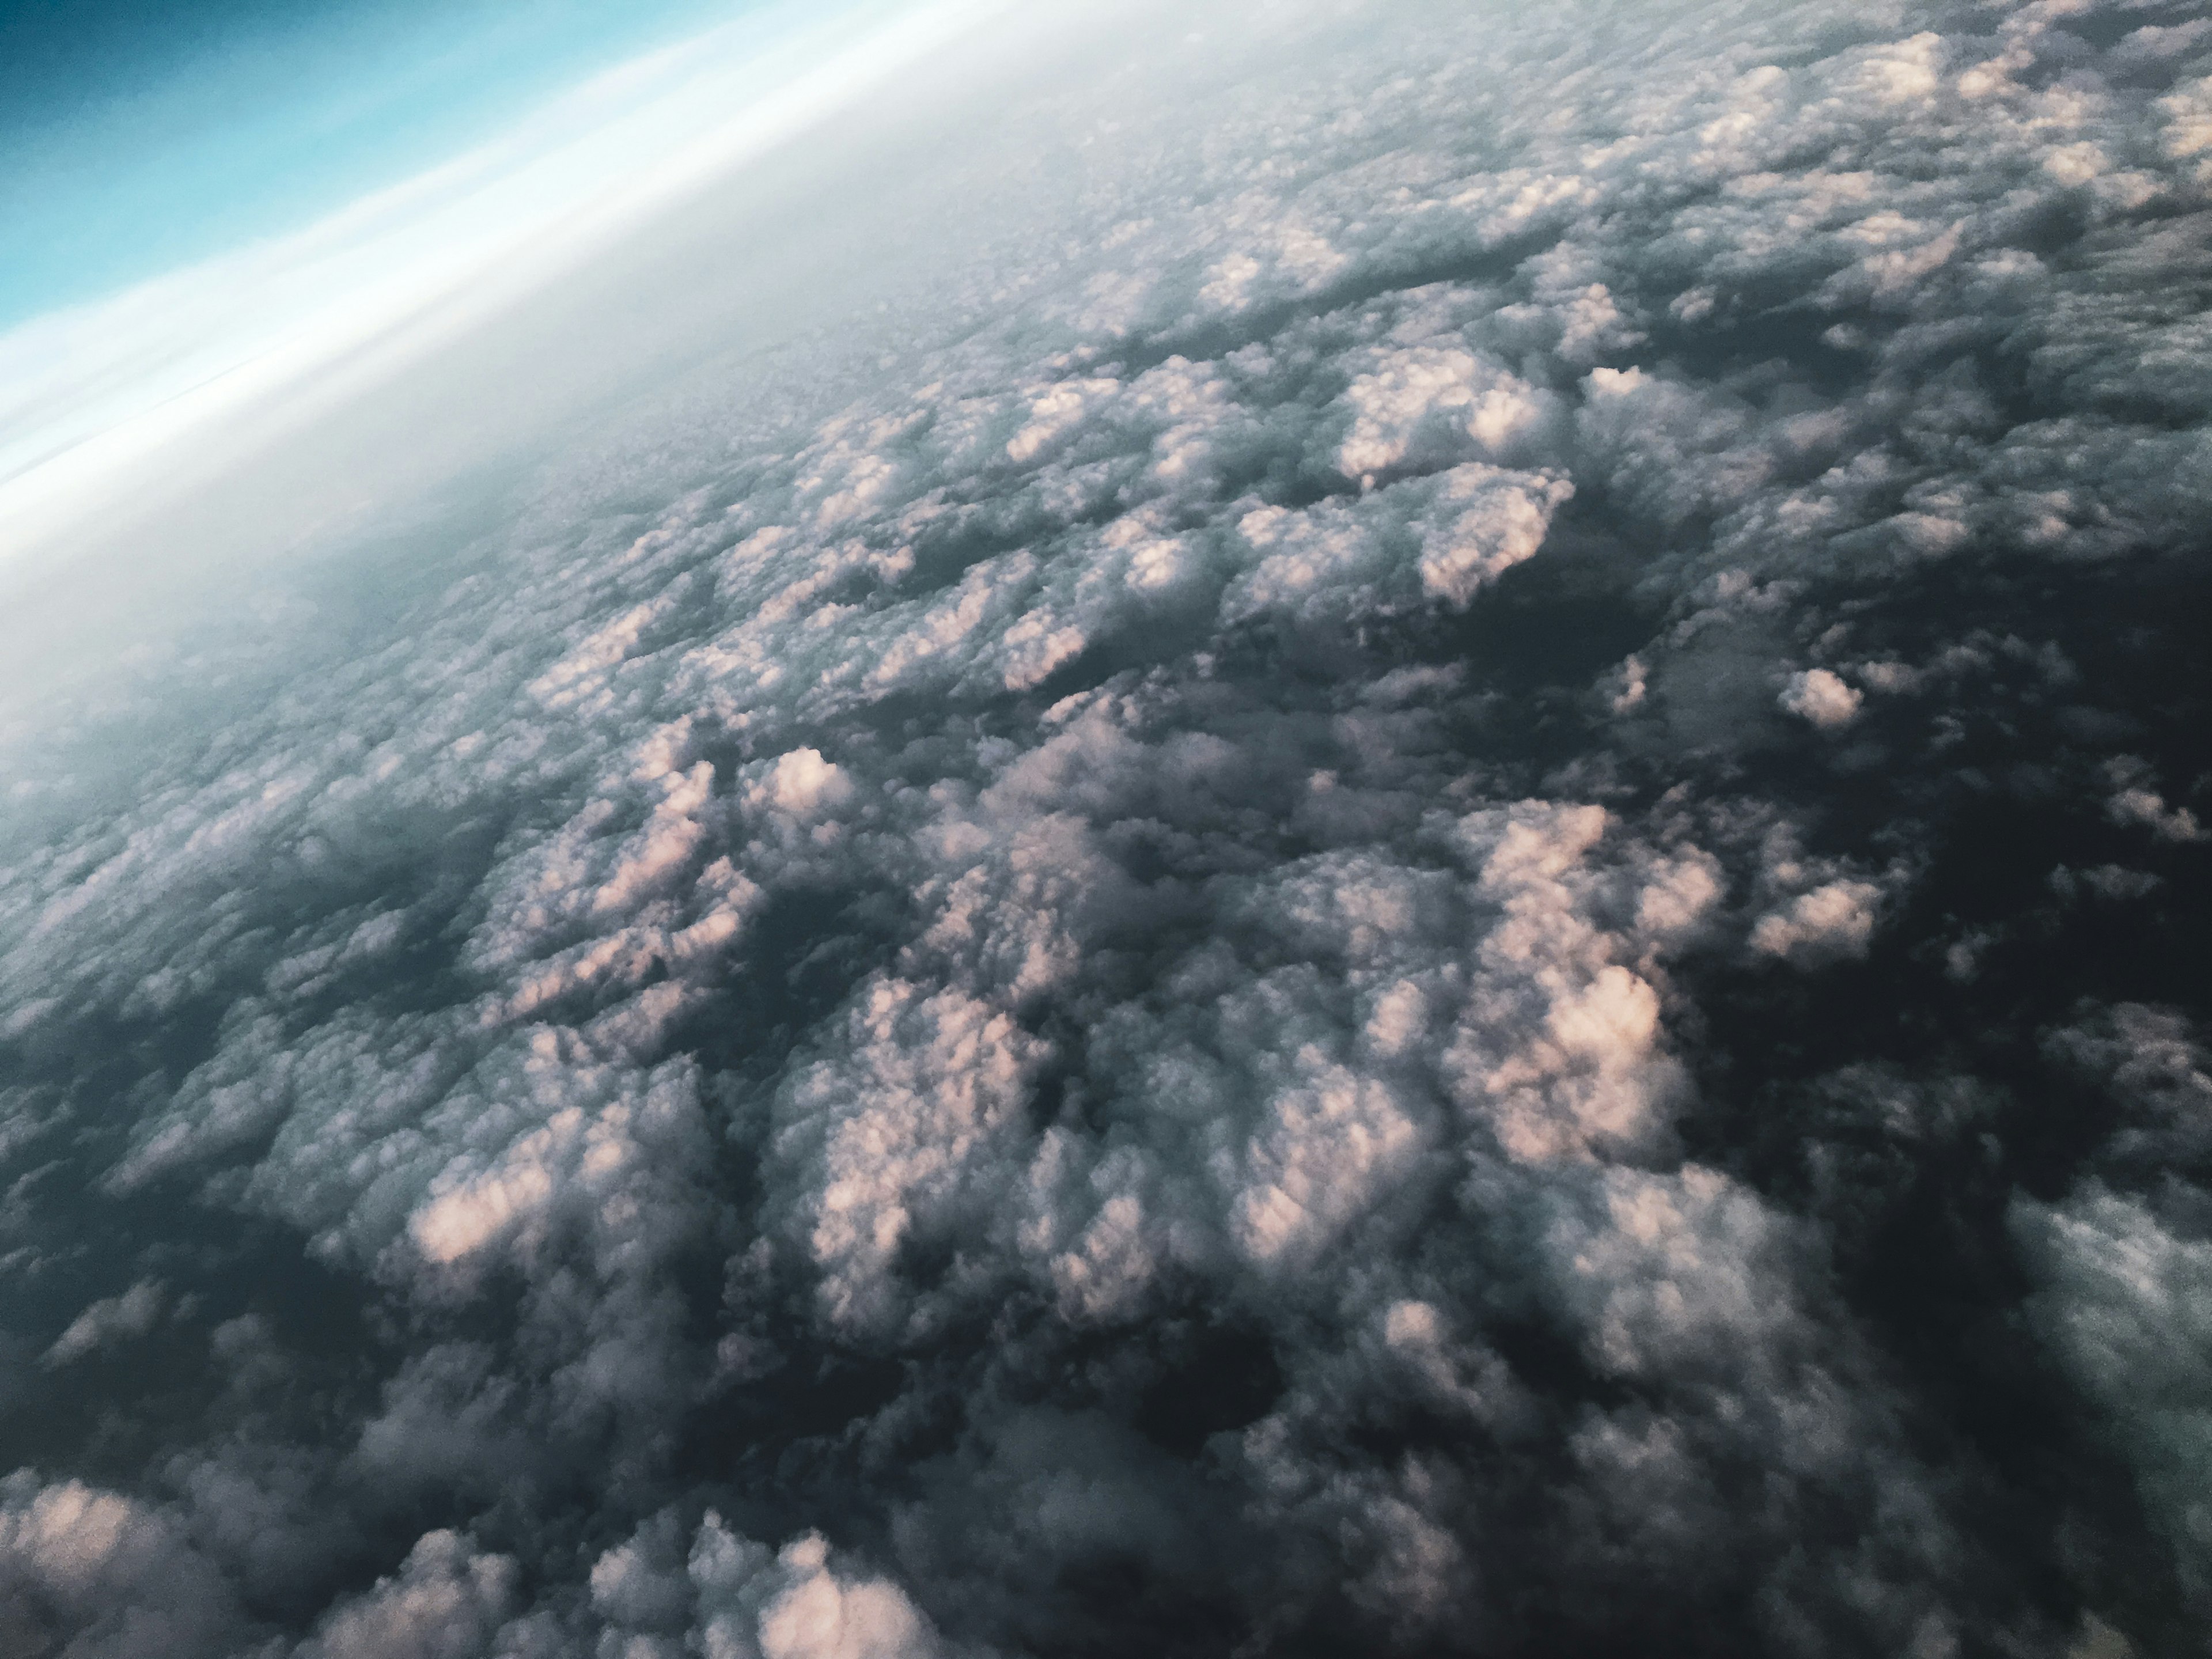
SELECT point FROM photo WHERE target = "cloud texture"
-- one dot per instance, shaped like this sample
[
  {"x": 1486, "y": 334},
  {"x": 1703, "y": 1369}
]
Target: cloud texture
[{"x": 1442, "y": 909}]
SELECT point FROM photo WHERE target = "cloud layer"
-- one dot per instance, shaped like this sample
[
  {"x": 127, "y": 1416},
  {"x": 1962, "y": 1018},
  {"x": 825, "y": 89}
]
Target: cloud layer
[{"x": 1443, "y": 908}]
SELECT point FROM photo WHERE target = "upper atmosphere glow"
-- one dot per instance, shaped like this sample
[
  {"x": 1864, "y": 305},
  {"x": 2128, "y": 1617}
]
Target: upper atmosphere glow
[{"x": 90, "y": 393}]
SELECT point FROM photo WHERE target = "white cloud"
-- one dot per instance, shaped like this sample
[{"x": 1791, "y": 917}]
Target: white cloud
[
  {"x": 2127, "y": 1307},
  {"x": 2148, "y": 808},
  {"x": 800, "y": 784},
  {"x": 903, "y": 1126},
  {"x": 1822, "y": 697},
  {"x": 1834, "y": 920},
  {"x": 793, "y": 1605},
  {"x": 1504, "y": 521},
  {"x": 112, "y": 1320},
  {"x": 96, "y": 1574},
  {"x": 1433, "y": 398},
  {"x": 1329, "y": 1144},
  {"x": 447, "y": 1601}
]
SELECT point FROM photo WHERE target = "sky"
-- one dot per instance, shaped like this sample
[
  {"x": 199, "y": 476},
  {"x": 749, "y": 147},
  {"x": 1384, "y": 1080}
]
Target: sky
[
  {"x": 1287, "y": 827},
  {"x": 298, "y": 229},
  {"x": 143, "y": 136}
]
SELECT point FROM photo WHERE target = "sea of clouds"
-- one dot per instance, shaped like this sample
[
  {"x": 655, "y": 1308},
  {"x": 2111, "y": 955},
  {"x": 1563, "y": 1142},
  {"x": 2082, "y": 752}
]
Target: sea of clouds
[{"x": 1452, "y": 903}]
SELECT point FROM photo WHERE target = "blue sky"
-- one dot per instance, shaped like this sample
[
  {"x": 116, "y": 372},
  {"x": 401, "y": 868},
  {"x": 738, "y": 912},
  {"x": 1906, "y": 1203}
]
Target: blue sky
[
  {"x": 139, "y": 135},
  {"x": 227, "y": 224}
]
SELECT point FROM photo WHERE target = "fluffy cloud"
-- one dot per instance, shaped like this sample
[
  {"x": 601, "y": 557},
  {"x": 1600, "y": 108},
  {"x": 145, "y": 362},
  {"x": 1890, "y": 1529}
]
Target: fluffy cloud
[
  {"x": 744, "y": 1601},
  {"x": 1821, "y": 697},
  {"x": 111, "y": 1319},
  {"x": 2125, "y": 1277},
  {"x": 1836, "y": 919},
  {"x": 2123, "y": 1305},
  {"x": 447, "y": 1601},
  {"x": 88, "y": 1573}
]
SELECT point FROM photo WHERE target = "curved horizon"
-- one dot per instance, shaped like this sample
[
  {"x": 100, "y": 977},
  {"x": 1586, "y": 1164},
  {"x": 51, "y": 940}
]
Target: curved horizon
[{"x": 111, "y": 384}]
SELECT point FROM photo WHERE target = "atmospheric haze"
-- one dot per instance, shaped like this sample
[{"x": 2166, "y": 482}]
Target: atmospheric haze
[{"x": 1227, "y": 829}]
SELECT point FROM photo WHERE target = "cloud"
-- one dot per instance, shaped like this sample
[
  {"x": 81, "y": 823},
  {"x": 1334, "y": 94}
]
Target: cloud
[
  {"x": 1835, "y": 919},
  {"x": 447, "y": 1601},
  {"x": 1182, "y": 950},
  {"x": 2135, "y": 804},
  {"x": 2122, "y": 1301},
  {"x": 89, "y": 1572},
  {"x": 900, "y": 1130},
  {"x": 111, "y": 1320},
  {"x": 742, "y": 1600},
  {"x": 1819, "y": 696}
]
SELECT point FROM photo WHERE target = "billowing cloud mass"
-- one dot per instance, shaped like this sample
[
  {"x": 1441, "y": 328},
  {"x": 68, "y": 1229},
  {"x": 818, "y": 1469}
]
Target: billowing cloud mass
[{"x": 1452, "y": 903}]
